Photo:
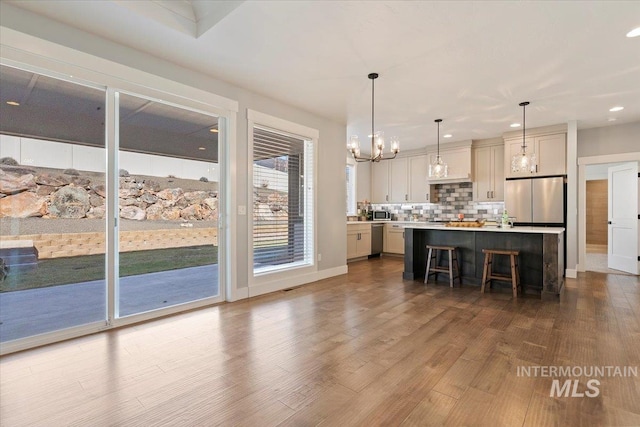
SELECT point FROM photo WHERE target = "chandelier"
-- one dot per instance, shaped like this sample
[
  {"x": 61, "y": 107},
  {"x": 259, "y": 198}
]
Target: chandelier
[
  {"x": 523, "y": 161},
  {"x": 438, "y": 168},
  {"x": 377, "y": 138}
]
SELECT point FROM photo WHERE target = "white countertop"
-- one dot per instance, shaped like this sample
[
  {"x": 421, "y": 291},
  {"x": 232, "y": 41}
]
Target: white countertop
[{"x": 537, "y": 230}]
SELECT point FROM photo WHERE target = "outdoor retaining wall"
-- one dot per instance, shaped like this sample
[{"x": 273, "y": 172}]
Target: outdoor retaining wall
[{"x": 78, "y": 244}]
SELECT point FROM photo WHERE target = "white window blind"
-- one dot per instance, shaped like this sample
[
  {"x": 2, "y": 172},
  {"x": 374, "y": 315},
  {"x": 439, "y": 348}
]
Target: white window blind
[{"x": 282, "y": 200}]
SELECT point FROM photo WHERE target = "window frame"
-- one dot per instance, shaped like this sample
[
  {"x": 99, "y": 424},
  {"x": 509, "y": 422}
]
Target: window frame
[{"x": 291, "y": 274}]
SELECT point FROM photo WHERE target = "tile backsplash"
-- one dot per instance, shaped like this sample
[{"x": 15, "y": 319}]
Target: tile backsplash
[{"x": 452, "y": 199}]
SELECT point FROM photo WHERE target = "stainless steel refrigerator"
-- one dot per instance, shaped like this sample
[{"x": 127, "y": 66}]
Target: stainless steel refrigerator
[{"x": 536, "y": 201}]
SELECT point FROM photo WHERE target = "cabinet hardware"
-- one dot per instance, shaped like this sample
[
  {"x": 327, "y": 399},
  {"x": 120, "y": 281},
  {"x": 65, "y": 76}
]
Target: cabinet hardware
[
  {"x": 386, "y": 197},
  {"x": 427, "y": 196},
  {"x": 488, "y": 196},
  {"x": 492, "y": 196},
  {"x": 403, "y": 234},
  {"x": 406, "y": 197}
]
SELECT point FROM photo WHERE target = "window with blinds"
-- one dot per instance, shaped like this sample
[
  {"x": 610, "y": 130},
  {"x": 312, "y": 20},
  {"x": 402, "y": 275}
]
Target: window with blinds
[{"x": 282, "y": 200}]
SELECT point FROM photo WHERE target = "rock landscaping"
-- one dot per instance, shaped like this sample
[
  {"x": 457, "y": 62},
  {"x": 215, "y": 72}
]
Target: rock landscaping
[{"x": 36, "y": 192}]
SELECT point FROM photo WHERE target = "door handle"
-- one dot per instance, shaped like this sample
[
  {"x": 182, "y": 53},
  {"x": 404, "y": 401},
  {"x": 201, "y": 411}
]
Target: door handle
[{"x": 609, "y": 222}]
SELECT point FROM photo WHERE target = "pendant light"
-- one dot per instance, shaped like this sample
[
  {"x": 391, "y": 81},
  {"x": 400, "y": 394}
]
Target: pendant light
[
  {"x": 438, "y": 168},
  {"x": 377, "y": 138},
  {"x": 523, "y": 161}
]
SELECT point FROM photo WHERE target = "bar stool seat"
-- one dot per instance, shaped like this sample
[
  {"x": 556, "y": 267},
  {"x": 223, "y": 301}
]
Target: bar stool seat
[
  {"x": 436, "y": 268},
  {"x": 488, "y": 275}
]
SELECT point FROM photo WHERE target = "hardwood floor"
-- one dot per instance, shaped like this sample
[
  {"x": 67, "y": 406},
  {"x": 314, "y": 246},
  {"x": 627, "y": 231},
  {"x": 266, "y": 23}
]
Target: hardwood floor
[{"x": 365, "y": 348}]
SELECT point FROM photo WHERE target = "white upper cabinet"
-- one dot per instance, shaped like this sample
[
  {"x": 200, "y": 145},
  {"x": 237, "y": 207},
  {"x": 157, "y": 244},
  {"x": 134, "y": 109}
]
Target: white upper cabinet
[
  {"x": 550, "y": 150},
  {"x": 398, "y": 183},
  {"x": 419, "y": 190},
  {"x": 380, "y": 182},
  {"x": 401, "y": 180},
  {"x": 488, "y": 173}
]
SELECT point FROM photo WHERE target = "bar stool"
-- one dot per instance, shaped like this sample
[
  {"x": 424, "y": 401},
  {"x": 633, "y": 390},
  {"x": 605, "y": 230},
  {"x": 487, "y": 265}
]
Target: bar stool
[
  {"x": 488, "y": 275},
  {"x": 436, "y": 268}
]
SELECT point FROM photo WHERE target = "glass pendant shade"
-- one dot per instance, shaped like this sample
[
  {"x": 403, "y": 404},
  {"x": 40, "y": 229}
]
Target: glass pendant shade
[
  {"x": 438, "y": 168},
  {"x": 523, "y": 161}
]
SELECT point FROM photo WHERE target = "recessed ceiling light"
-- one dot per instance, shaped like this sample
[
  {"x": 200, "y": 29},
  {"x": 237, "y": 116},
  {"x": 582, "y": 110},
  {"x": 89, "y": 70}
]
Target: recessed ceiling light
[
  {"x": 612, "y": 119},
  {"x": 634, "y": 33},
  {"x": 14, "y": 103},
  {"x": 614, "y": 109},
  {"x": 201, "y": 148},
  {"x": 447, "y": 135},
  {"x": 214, "y": 130},
  {"x": 515, "y": 125}
]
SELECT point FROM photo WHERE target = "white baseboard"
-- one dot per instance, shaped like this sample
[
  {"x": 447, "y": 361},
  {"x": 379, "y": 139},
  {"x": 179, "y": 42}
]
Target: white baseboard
[
  {"x": 302, "y": 279},
  {"x": 571, "y": 273}
]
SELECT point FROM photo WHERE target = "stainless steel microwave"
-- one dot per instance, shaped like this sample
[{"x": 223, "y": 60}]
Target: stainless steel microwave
[{"x": 380, "y": 215}]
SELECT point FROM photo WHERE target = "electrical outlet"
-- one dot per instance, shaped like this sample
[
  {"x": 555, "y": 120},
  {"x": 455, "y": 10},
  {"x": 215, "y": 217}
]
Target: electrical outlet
[
  {"x": 242, "y": 210},
  {"x": 319, "y": 257}
]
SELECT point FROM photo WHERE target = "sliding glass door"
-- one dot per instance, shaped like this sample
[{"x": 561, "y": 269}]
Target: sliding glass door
[
  {"x": 52, "y": 204},
  {"x": 109, "y": 207},
  {"x": 168, "y": 204}
]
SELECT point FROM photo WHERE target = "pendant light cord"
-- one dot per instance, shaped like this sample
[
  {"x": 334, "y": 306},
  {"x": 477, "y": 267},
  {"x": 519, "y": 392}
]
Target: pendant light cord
[{"x": 373, "y": 135}]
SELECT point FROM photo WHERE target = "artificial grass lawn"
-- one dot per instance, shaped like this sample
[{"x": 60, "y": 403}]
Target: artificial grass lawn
[{"x": 62, "y": 271}]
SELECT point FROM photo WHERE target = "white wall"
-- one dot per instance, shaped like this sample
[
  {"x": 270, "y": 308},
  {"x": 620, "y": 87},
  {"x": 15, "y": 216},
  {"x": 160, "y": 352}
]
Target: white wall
[
  {"x": 49, "y": 154},
  {"x": 609, "y": 140},
  {"x": 363, "y": 183},
  {"x": 331, "y": 172}
]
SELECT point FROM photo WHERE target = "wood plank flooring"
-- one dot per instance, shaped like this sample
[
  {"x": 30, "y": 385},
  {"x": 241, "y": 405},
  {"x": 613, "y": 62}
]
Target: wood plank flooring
[{"x": 363, "y": 349}]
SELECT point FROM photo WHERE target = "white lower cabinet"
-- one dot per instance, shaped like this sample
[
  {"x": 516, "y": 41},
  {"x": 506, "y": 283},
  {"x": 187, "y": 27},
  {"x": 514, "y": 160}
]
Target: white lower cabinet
[
  {"x": 393, "y": 238},
  {"x": 358, "y": 240}
]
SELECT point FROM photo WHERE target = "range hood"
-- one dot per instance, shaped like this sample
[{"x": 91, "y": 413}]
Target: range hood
[{"x": 457, "y": 155}]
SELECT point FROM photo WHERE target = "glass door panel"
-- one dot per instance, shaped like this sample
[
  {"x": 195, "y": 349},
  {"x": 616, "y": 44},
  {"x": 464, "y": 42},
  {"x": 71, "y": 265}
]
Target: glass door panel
[
  {"x": 168, "y": 205},
  {"x": 52, "y": 204}
]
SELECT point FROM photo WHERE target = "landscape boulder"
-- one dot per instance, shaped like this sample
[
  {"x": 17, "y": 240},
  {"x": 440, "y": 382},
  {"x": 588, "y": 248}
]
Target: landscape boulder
[
  {"x": 22, "y": 205},
  {"x": 132, "y": 212},
  {"x": 52, "y": 180},
  {"x": 69, "y": 202}
]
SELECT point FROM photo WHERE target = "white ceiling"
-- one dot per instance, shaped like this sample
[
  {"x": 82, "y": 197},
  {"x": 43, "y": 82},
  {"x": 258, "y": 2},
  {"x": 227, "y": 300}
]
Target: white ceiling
[{"x": 469, "y": 63}]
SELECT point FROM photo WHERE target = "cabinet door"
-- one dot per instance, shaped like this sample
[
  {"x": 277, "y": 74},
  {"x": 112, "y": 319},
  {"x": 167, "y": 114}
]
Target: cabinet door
[
  {"x": 497, "y": 153},
  {"x": 483, "y": 174},
  {"x": 364, "y": 244},
  {"x": 398, "y": 191},
  {"x": 380, "y": 182},
  {"x": 418, "y": 186},
  {"x": 512, "y": 148},
  {"x": 352, "y": 244},
  {"x": 552, "y": 156},
  {"x": 396, "y": 241}
]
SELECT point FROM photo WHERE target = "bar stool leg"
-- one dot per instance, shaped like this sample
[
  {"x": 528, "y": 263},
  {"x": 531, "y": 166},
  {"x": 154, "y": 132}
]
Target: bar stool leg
[
  {"x": 484, "y": 271},
  {"x": 426, "y": 273},
  {"x": 450, "y": 269},
  {"x": 458, "y": 269},
  {"x": 514, "y": 283}
]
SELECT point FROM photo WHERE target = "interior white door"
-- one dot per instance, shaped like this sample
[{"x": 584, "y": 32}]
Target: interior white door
[{"x": 623, "y": 218}]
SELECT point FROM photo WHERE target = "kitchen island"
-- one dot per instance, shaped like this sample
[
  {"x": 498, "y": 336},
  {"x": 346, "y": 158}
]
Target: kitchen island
[{"x": 541, "y": 258}]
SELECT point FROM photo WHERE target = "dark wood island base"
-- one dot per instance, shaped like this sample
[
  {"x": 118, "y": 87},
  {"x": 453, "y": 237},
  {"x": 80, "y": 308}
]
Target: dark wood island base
[{"x": 541, "y": 258}]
